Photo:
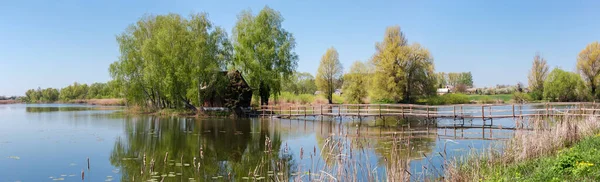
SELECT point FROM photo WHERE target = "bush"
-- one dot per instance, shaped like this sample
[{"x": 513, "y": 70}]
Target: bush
[
  {"x": 521, "y": 97},
  {"x": 565, "y": 86},
  {"x": 486, "y": 100},
  {"x": 448, "y": 99},
  {"x": 288, "y": 97}
]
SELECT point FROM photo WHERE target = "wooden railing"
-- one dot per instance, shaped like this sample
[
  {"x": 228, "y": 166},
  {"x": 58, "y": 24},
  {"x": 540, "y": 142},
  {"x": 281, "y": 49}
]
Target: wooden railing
[{"x": 444, "y": 111}]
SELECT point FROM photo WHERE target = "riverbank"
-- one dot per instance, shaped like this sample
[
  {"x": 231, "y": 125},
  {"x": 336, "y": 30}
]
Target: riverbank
[
  {"x": 553, "y": 151},
  {"x": 102, "y": 102},
  {"x": 9, "y": 102}
]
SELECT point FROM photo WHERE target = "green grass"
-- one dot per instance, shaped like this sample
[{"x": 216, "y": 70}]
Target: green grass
[
  {"x": 503, "y": 97},
  {"x": 578, "y": 163},
  {"x": 445, "y": 99},
  {"x": 287, "y": 97}
]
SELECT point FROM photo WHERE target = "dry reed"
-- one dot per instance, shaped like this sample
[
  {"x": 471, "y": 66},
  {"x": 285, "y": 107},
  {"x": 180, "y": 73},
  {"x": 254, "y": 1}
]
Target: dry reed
[{"x": 546, "y": 138}]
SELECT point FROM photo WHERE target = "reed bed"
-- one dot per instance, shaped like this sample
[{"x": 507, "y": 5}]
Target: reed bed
[{"x": 546, "y": 138}]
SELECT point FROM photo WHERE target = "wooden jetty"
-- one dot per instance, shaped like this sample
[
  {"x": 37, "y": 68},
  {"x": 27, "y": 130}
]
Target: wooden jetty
[{"x": 460, "y": 111}]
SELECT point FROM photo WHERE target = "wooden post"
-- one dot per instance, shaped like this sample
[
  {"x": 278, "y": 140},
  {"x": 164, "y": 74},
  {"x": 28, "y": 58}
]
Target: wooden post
[
  {"x": 513, "y": 109},
  {"x": 547, "y": 113},
  {"x": 454, "y": 111},
  {"x": 462, "y": 112},
  {"x": 263, "y": 111},
  {"x": 321, "y": 109},
  {"x": 304, "y": 111},
  {"x": 359, "y": 111},
  {"x": 427, "y": 106},
  {"x": 290, "y": 111},
  {"x": 340, "y": 110},
  {"x": 482, "y": 113},
  {"x": 379, "y": 110},
  {"x": 402, "y": 110}
]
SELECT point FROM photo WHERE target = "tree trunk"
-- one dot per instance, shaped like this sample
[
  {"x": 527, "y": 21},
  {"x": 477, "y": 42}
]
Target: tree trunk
[
  {"x": 593, "y": 88},
  {"x": 264, "y": 92}
]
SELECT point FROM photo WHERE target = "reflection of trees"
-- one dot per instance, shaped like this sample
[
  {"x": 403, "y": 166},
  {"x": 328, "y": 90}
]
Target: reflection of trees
[
  {"x": 221, "y": 148},
  {"x": 55, "y": 109},
  {"x": 394, "y": 151}
]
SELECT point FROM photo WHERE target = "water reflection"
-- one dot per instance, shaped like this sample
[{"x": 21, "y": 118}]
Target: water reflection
[{"x": 199, "y": 149}]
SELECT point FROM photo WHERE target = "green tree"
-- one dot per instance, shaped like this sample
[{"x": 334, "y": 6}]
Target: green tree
[
  {"x": 264, "y": 51},
  {"x": 300, "y": 83},
  {"x": 49, "y": 95},
  {"x": 166, "y": 60},
  {"x": 356, "y": 83},
  {"x": 329, "y": 73},
  {"x": 466, "y": 78},
  {"x": 402, "y": 72},
  {"x": 537, "y": 76},
  {"x": 564, "y": 86},
  {"x": 588, "y": 65}
]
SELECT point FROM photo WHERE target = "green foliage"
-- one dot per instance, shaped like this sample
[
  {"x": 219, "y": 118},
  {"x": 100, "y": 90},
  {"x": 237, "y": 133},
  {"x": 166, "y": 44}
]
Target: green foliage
[
  {"x": 588, "y": 65},
  {"x": 356, "y": 83},
  {"x": 72, "y": 92},
  {"x": 41, "y": 96},
  {"x": 329, "y": 74},
  {"x": 288, "y": 97},
  {"x": 521, "y": 97},
  {"x": 447, "y": 99},
  {"x": 300, "y": 83},
  {"x": 166, "y": 60},
  {"x": 264, "y": 51},
  {"x": 403, "y": 72},
  {"x": 75, "y": 91},
  {"x": 537, "y": 94},
  {"x": 454, "y": 79},
  {"x": 579, "y": 163},
  {"x": 564, "y": 86}
]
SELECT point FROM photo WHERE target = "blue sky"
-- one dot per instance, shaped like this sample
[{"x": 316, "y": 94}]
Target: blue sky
[{"x": 55, "y": 43}]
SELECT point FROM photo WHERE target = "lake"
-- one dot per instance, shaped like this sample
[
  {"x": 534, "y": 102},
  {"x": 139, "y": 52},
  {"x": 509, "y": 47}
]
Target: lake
[{"x": 51, "y": 142}]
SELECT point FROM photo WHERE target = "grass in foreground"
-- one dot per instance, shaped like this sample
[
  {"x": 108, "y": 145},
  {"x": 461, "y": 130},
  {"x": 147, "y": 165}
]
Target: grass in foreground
[
  {"x": 578, "y": 163},
  {"x": 563, "y": 151}
]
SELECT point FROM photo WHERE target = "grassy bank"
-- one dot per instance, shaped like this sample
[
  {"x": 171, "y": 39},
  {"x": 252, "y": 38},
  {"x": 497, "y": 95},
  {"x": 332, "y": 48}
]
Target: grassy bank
[
  {"x": 490, "y": 98},
  {"x": 578, "y": 163},
  {"x": 9, "y": 101},
  {"x": 304, "y": 99},
  {"x": 556, "y": 151}
]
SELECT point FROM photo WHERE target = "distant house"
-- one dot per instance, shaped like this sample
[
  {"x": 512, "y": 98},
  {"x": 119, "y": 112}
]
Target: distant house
[
  {"x": 234, "y": 92},
  {"x": 442, "y": 91},
  {"x": 472, "y": 90},
  {"x": 317, "y": 92},
  {"x": 338, "y": 92}
]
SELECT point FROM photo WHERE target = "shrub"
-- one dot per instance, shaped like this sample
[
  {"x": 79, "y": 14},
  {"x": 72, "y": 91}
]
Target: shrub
[
  {"x": 565, "y": 86},
  {"x": 486, "y": 100},
  {"x": 521, "y": 97},
  {"x": 448, "y": 99}
]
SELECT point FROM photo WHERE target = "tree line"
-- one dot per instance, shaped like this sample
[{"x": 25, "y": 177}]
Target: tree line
[
  {"x": 75, "y": 91},
  {"x": 171, "y": 61},
  {"x": 397, "y": 72},
  {"x": 561, "y": 85}
]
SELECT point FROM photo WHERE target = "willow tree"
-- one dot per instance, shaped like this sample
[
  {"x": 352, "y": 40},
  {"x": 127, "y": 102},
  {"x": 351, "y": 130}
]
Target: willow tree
[
  {"x": 588, "y": 65},
  {"x": 329, "y": 73},
  {"x": 402, "y": 72},
  {"x": 166, "y": 59},
  {"x": 356, "y": 83},
  {"x": 537, "y": 76},
  {"x": 264, "y": 51}
]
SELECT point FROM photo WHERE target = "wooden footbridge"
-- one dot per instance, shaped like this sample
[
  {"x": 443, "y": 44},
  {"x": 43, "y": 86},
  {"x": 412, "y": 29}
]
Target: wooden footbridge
[{"x": 462, "y": 111}]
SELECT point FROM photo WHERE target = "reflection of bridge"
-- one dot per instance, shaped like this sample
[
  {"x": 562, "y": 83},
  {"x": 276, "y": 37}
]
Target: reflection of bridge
[{"x": 462, "y": 111}]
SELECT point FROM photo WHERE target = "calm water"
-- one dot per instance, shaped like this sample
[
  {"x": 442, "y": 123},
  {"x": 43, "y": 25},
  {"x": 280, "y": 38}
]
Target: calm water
[{"x": 52, "y": 142}]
